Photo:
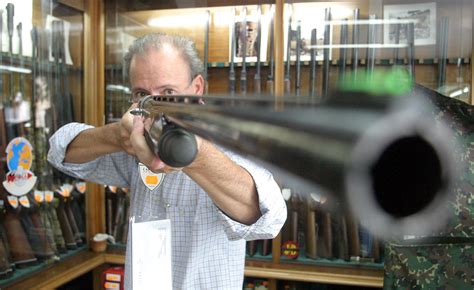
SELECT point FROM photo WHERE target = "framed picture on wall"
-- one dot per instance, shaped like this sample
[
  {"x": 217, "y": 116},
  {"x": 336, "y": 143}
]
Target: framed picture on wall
[
  {"x": 424, "y": 17},
  {"x": 248, "y": 35}
]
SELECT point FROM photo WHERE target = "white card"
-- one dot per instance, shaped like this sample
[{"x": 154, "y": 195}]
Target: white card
[{"x": 151, "y": 255}]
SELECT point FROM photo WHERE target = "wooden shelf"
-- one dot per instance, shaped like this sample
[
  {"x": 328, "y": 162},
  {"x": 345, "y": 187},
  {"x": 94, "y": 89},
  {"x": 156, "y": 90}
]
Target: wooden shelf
[
  {"x": 58, "y": 274},
  {"x": 69, "y": 269},
  {"x": 86, "y": 261},
  {"x": 316, "y": 274}
]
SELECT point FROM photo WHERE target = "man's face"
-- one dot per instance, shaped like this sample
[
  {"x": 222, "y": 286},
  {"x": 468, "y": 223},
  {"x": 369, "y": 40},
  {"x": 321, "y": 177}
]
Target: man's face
[{"x": 162, "y": 72}]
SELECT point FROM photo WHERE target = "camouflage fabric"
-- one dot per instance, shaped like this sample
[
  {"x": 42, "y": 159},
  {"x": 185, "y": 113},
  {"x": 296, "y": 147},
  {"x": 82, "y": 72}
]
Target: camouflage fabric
[{"x": 446, "y": 259}]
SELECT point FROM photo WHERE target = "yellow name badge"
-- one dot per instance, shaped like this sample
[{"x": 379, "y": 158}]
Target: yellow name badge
[{"x": 150, "y": 179}]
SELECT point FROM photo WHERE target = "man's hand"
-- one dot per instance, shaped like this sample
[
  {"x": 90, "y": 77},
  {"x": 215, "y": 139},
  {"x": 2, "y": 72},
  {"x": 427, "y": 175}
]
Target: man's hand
[{"x": 126, "y": 127}]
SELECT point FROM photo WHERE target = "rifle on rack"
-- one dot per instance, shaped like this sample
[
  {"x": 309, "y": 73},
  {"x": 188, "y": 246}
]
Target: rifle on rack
[
  {"x": 206, "y": 53},
  {"x": 343, "y": 51},
  {"x": 313, "y": 64},
  {"x": 287, "y": 78},
  {"x": 6, "y": 269},
  {"x": 355, "y": 41},
  {"x": 298, "y": 59},
  {"x": 243, "y": 51},
  {"x": 312, "y": 206},
  {"x": 232, "y": 54},
  {"x": 443, "y": 51},
  {"x": 3, "y": 128},
  {"x": 10, "y": 13},
  {"x": 66, "y": 93},
  {"x": 397, "y": 41},
  {"x": 20, "y": 248},
  {"x": 326, "y": 51},
  {"x": 370, "y": 59},
  {"x": 410, "y": 33},
  {"x": 257, "y": 85},
  {"x": 271, "y": 76}
]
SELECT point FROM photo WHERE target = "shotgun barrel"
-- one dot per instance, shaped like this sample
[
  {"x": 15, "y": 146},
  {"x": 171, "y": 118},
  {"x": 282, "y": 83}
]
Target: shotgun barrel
[
  {"x": 232, "y": 54},
  {"x": 298, "y": 60},
  {"x": 257, "y": 85},
  {"x": 326, "y": 52},
  {"x": 351, "y": 145},
  {"x": 271, "y": 73},
  {"x": 243, "y": 37},
  {"x": 313, "y": 65}
]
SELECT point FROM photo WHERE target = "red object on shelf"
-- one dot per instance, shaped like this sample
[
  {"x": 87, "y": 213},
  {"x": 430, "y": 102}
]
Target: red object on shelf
[{"x": 112, "y": 278}]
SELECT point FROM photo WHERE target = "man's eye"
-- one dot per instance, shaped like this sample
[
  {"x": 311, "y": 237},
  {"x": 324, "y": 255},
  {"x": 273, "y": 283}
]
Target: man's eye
[
  {"x": 169, "y": 92},
  {"x": 138, "y": 96}
]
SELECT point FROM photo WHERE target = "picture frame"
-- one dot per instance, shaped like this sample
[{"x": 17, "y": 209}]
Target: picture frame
[
  {"x": 252, "y": 28},
  {"x": 424, "y": 17}
]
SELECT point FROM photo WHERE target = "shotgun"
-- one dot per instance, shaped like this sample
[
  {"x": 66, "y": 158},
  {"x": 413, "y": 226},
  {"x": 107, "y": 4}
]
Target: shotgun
[
  {"x": 232, "y": 54},
  {"x": 66, "y": 93},
  {"x": 313, "y": 64},
  {"x": 243, "y": 51},
  {"x": 370, "y": 58},
  {"x": 66, "y": 229},
  {"x": 443, "y": 51},
  {"x": 411, "y": 49},
  {"x": 257, "y": 85},
  {"x": 298, "y": 146},
  {"x": 353, "y": 236},
  {"x": 397, "y": 41},
  {"x": 326, "y": 51},
  {"x": 20, "y": 249},
  {"x": 325, "y": 235},
  {"x": 271, "y": 76},
  {"x": 10, "y": 14},
  {"x": 206, "y": 53},
  {"x": 355, "y": 41},
  {"x": 343, "y": 51},
  {"x": 312, "y": 206},
  {"x": 3, "y": 128},
  {"x": 298, "y": 59},
  {"x": 6, "y": 269},
  {"x": 287, "y": 78}
]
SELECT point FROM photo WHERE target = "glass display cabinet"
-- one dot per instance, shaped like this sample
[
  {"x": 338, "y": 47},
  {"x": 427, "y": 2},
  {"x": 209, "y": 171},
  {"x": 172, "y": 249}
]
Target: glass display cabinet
[{"x": 71, "y": 68}]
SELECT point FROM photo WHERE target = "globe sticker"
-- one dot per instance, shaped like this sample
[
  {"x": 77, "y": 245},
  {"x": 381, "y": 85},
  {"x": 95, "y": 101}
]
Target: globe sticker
[
  {"x": 150, "y": 179},
  {"x": 20, "y": 180}
]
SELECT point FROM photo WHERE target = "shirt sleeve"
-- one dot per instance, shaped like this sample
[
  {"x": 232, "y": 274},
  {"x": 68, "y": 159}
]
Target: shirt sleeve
[
  {"x": 112, "y": 169},
  {"x": 271, "y": 203}
]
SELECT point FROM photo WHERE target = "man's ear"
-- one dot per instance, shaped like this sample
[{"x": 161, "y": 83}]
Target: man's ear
[{"x": 198, "y": 85}]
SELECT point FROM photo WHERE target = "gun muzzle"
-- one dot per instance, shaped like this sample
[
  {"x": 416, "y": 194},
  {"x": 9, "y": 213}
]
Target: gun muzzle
[{"x": 385, "y": 158}]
